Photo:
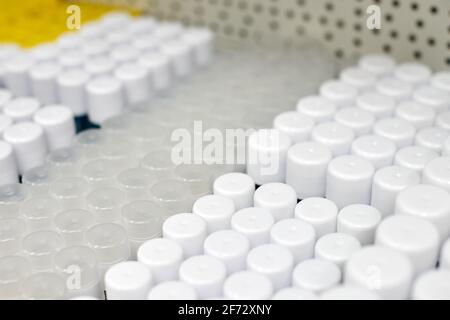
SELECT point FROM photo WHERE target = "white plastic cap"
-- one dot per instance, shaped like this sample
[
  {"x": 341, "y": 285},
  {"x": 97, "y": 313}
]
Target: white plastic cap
[
  {"x": 254, "y": 223},
  {"x": 180, "y": 55},
  {"x": 321, "y": 213},
  {"x": 163, "y": 257},
  {"x": 316, "y": 275},
  {"x": 16, "y": 77},
  {"x": 124, "y": 53},
  {"x": 230, "y": 247},
  {"x": 432, "y": 138},
  {"x": 105, "y": 99},
  {"x": 317, "y": 108},
  {"x": 247, "y": 285},
  {"x": 273, "y": 261},
  {"x": 5, "y": 122},
  {"x": 43, "y": 82},
  {"x": 416, "y": 238},
  {"x": 359, "y": 78},
  {"x": 306, "y": 169},
  {"x": 188, "y": 230},
  {"x": 158, "y": 67},
  {"x": 419, "y": 115},
  {"x": 349, "y": 293},
  {"x": 279, "y": 198},
  {"x": 294, "y": 294},
  {"x": 430, "y": 96},
  {"x": 28, "y": 142},
  {"x": 172, "y": 290},
  {"x": 415, "y": 158},
  {"x": 8, "y": 167},
  {"x": 377, "y": 150},
  {"x": 356, "y": 119},
  {"x": 71, "y": 88},
  {"x": 388, "y": 182},
  {"x": 342, "y": 94},
  {"x": 267, "y": 152},
  {"x": 205, "y": 274},
  {"x": 58, "y": 124},
  {"x": 295, "y": 235},
  {"x": 443, "y": 120},
  {"x": 336, "y": 248},
  {"x": 202, "y": 42},
  {"x": 238, "y": 187},
  {"x": 136, "y": 83},
  {"x": 100, "y": 66},
  {"x": 349, "y": 180},
  {"x": 21, "y": 109},
  {"x": 441, "y": 80},
  {"x": 129, "y": 280},
  {"x": 399, "y": 131},
  {"x": 432, "y": 285},
  {"x": 334, "y": 136},
  {"x": 412, "y": 72},
  {"x": 437, "y": 173},
  {"x": 296, "y": 125},
  {"x": 378, "y": 64},
  {"x": 394, "y": 88},
  {"x": 379, "y": 105},
  {"x": 5, "y": 97},
  {"x": 384, "y": 271},
  {"x": 215, "y": 210},
  {"x": 360, "y": 221}
]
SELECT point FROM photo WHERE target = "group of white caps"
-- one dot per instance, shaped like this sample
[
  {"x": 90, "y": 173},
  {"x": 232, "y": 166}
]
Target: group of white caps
[
  {"x": 370, "y": 159},
  {"x": 100, "y": 71}
]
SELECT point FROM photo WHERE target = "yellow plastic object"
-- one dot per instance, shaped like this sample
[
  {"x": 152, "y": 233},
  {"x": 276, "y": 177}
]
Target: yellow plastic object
[{"x": 31, "y": 22}]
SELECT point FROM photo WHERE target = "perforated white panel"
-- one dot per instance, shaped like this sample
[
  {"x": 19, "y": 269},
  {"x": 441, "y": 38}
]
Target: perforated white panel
[{"x": 411, "y": 29}]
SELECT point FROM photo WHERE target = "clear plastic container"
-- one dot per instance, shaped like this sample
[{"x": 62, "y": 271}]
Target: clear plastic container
[
  {"x": 175, "y": 196},
  {"x": 105, "y": 204},
  {"x": 118, "y": 125},
  {"x": 198, "y": 177},
  {"x": 120, "y": 152},
  {"x": 70, "y": 192},
  {"x": 73, "y": 224},
  {"x": 143, "y": 221},
  {"x": 39, "y": 212},
  {"x": 110, "y": 244},
  {"x": 158, "y": 162},
  {"x": 40, "y": 247},
  {"x": 87, "y": 143},
  {"x": 136, "y": 183},
  {"x": 168, "y": 120},
  {"x": 65, "y": 162},
  {"x": 12, "y": 231},
  {"x": 79, "y": 268},
  {"x": 38, "y": 180},
  {"x": 148, "y": 136},
  {"x": 11, "y": 197},
  {"x": 121, "y": 125},
  {"x": 44, "y": 286},
  {"x": 13, "y": 271},
  {"x": 99, "y": 173}
]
